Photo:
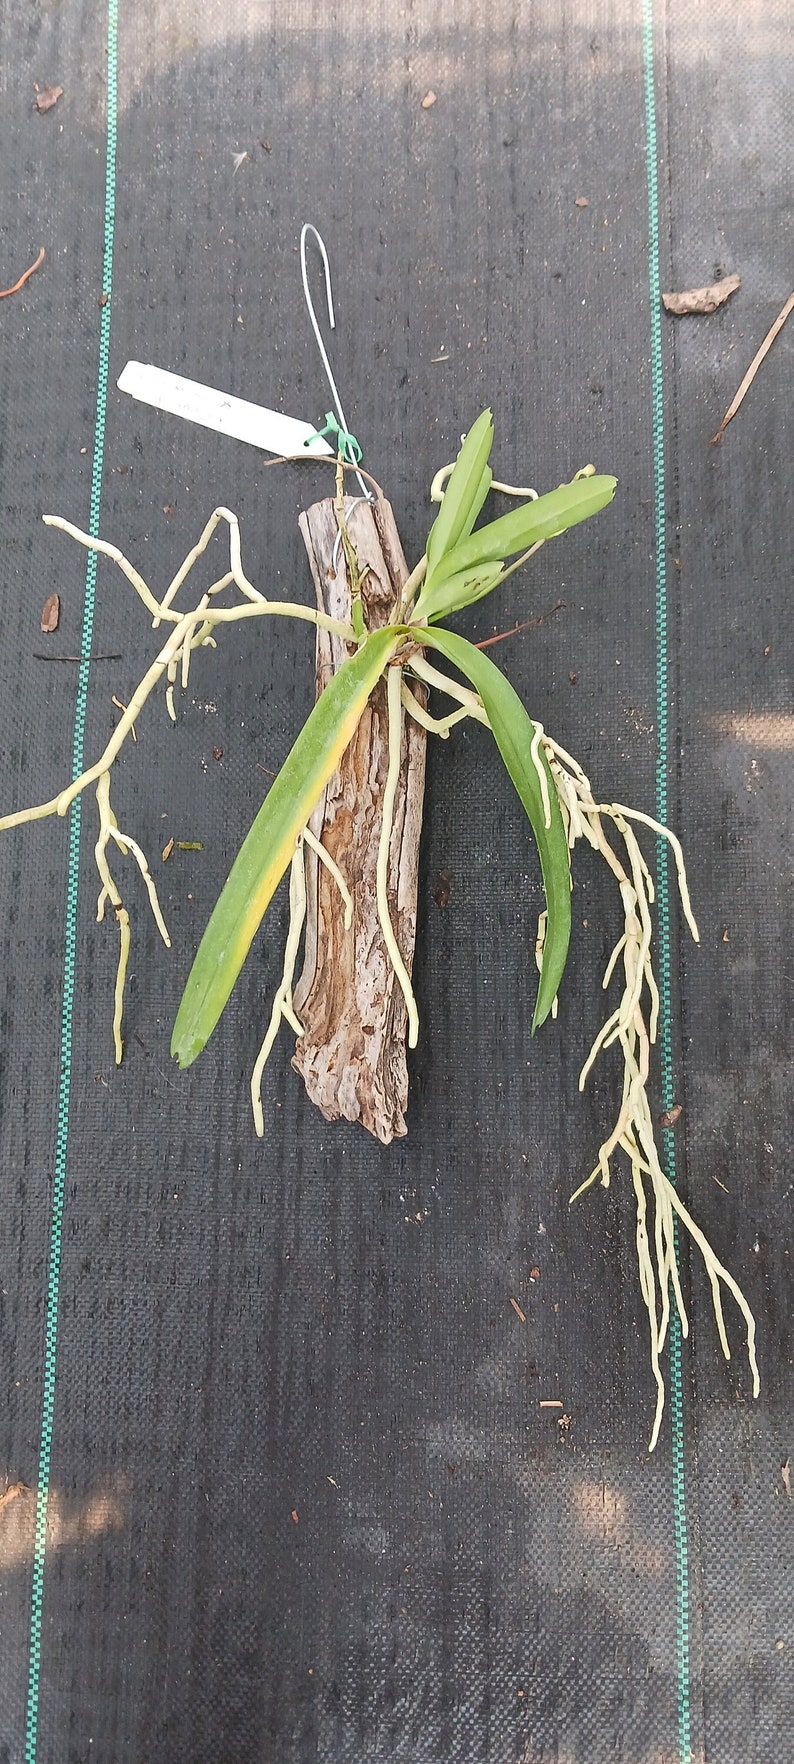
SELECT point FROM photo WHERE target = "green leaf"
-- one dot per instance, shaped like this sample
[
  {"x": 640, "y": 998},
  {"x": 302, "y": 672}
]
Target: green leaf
[
  {"x": 266, "y": 852},
  {"x": 514, "y": 732},
  {"x": 543, "y": 519},
  {"x": 464, "y": 494},
  {"x": 449, "y": 593},
  {"x": 482, "y": 492}
]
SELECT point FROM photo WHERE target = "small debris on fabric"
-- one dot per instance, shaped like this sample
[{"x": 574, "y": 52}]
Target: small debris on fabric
[
  {"x": 753, "y": 368},
  {"x": 294, "y": 1515},
  {"x": 51, "y": 613},
  {"x": 4, "y": 292},
  {"x": 167, "y": 850},
  {"x": 518, "y": 1311},
  {"x": 573, "y": 678},
  {"x": 785, "y": 1476},
  {"x": 670, "y": 1116},
  {"x": 267, "y": 146},
  {"x": 429, "y": 100},
  {"x": 534, "y": 1274},
  {"x": 443, "y": 888},
  {"x": 169, "y": 508},
  {"x": 46, "y": 97},
  {"x": 103, "y": 300},
  {"x": 217, "y": 753},
  {"x": 238, "y": 160},
  {"x": 581, "y": 202},
  {"x": 699, "y": 301},
  {"x": 550, "y": 1403},
  {"x": 189, "y": 845}
]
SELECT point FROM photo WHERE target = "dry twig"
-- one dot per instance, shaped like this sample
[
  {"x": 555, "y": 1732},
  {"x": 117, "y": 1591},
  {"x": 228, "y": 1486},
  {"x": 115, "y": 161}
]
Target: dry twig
[{"x": 753, "y": 368}]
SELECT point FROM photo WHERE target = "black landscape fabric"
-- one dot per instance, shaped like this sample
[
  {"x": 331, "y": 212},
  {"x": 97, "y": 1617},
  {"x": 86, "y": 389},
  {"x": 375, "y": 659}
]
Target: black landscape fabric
[{"x": 289, "y": 1399}]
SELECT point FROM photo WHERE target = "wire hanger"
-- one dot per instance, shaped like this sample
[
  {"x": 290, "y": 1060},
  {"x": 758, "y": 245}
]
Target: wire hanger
[{"x": 344, "y": 433}]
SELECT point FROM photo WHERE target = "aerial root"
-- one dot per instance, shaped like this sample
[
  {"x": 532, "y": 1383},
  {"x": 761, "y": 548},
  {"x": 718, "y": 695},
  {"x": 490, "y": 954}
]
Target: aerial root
[
  {"x": 109, "y": 830},
  {"x": 188, "y": 631},
  {"x": 632, "y": 1026},
  {"x": 283, "y": 1008},
  {"x": 394, "y": 711},
  {"x": 282, "y": 1003}
]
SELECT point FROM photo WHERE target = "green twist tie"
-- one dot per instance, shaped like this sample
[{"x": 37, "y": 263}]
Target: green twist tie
[{"x": 347, "y": 445}]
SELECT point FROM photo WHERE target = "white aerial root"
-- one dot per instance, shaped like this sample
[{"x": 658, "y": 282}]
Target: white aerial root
[
  {"x": 190, "y": 630},
  {"x": 283, "y": 1008},
  {"x": 633, "y": 1027},
  {"x": 394, "y": 714},
  {"x": 108, "y": 829},
  {"x": 282, "y": 1003}
]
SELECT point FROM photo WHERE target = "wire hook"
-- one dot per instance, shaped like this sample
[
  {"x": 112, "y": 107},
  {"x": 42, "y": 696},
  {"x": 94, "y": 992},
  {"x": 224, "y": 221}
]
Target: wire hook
[{"x": 305, "y": 230}]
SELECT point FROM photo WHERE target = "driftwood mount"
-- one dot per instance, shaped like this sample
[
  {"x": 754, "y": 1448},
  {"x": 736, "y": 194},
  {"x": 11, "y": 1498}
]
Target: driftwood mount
[{"x": 352, "y": 1054}]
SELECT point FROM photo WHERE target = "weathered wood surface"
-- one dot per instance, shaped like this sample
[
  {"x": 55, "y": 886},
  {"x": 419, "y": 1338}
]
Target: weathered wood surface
[{"x": 352, "y": 1054}]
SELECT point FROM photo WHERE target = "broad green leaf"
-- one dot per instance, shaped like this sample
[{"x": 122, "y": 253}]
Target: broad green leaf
[
  {"x": 449, "y": 593},
  {"x": 462, "y": 497},
  {"x": 551, "y": 514},
  {"x": 514, "y": 733},
  {"x": 482, "y": 492},
  {"x": 266, "y": 852}
]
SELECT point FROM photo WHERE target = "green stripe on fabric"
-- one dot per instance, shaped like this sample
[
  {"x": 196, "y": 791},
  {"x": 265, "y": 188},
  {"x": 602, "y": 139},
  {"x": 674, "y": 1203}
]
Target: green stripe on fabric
[
  {"x": 680, "y": 1529},
  {"x": 70, "y": 941}
]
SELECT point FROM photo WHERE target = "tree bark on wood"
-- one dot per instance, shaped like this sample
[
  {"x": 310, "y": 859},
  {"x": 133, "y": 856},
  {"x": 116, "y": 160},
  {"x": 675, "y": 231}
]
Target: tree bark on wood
[{"x": 352, "y": 1053}]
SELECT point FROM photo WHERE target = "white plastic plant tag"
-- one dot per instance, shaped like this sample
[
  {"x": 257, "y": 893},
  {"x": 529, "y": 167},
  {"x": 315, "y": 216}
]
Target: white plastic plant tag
[{"x": 267, "y": 429}]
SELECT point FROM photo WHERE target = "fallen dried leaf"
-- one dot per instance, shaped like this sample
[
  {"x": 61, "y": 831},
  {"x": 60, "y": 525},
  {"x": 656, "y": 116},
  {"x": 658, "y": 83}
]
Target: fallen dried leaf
[
  {"x": 753, "y": 368},
  {"x": 702, "y": 300},
  {"x": 167, "y": 850},
  {"x": 785, "y": 1473},
  {"x": 4, "y": 292},
  {"x": 670, "y": 1116},
  {"x": 429, "y": 100},
  {"x": 12, "y": 1493},
  {"x": 51, "y": 612},
  {"x": 45, "y": 98}
]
